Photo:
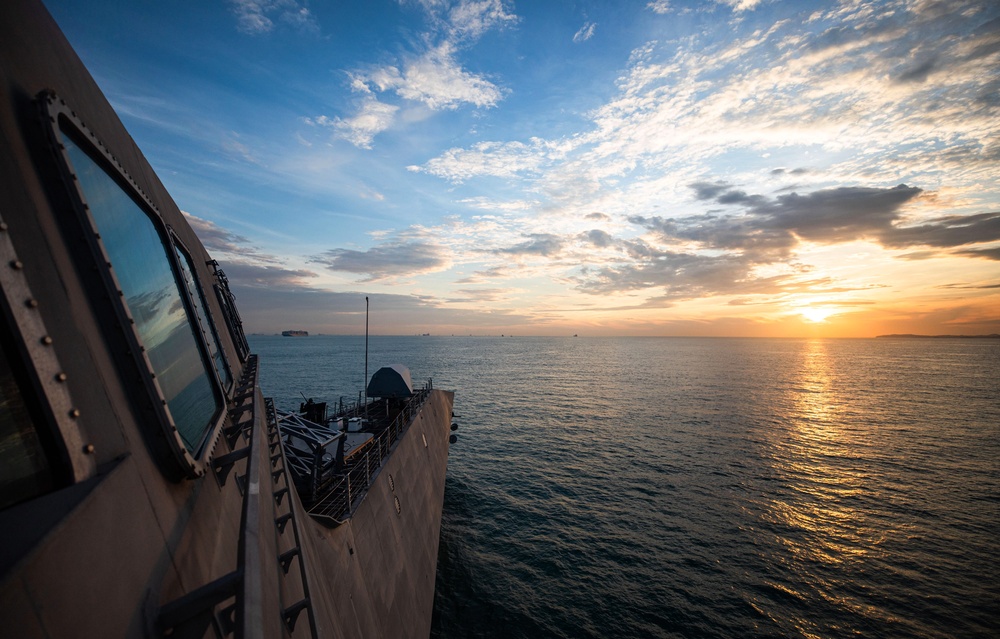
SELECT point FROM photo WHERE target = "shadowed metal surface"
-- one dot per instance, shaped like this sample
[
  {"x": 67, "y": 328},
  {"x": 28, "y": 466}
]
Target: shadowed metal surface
[{"x": 136, "y": 535}]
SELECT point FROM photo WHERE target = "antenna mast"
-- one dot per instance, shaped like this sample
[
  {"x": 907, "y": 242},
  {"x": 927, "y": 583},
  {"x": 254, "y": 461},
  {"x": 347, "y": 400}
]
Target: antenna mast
[{"x": 366, "y": 356}]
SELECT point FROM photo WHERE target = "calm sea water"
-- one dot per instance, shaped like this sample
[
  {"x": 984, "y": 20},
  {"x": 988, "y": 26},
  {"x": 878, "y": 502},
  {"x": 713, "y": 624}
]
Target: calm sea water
[{"x": 684, "y": 487}]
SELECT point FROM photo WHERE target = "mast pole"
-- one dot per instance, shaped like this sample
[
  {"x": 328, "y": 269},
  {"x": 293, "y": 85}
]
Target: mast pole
[{"x": 366, "y": 357}]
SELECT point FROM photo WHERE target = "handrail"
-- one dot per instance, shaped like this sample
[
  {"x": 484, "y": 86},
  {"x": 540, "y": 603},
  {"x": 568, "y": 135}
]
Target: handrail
[
  {"x": 343, "y": 492},
  {"x": 358, "y": 407},
  {"x": 252, "y": 613},
  {"x": 289, "y": 614}
]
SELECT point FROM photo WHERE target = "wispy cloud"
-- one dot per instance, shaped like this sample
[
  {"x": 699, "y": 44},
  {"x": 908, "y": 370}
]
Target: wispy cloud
[
  {"x": 698, "y": 104},
  {"x": 497, "y": 159},
  {"x": 586, "y": 32},
  {"x": 740, "y": 5},
  {"x": 740, "y": 165},
  {"x": 539, "y": 244},
  {"x": 360, "y": 129},
  {"x": 469, "y": 20},
  {"x": 245, "y": 265},
  {"x": 659, "y": 6},
  {"x": 719, "y": 253},
  {"x": 432, "y": 76},
  {"x": 437, "y": 80},
  {"x": 220, "y": 241},
  {"x": 992, "y": 253},
  {"x": 257, "y": 17},
  {"x": 389, "y": 260}
]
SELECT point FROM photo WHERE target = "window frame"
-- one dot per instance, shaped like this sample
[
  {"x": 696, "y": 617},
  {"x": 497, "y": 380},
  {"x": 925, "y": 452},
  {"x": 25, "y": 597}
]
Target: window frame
[
  {"x": 227, "y": 302},
  {"x": 209, "y": 324},
  {"x": 64, "y": 123},
  {"x": 39, "y": 375}
]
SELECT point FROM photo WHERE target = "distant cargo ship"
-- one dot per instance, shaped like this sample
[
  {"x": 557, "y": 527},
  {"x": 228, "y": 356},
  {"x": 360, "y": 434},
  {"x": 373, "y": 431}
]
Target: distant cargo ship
[{"x": 295, "y": 333}]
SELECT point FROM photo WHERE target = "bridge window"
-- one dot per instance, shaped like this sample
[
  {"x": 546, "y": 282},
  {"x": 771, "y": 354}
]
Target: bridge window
[
  {"x": 227, "y": 302},
  {"x": 201, "y": 313},
  {"x": 154, "y": 281},
  {"x": 25, "y": 471}
]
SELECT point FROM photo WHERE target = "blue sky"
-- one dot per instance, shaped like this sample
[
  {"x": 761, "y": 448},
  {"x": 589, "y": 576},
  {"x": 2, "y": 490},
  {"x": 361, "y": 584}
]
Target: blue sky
[{"x": 734, "y": 167}]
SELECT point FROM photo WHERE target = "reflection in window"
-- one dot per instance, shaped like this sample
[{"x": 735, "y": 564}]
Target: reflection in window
[
  {"x": 207, "y": 328},
  {"x": 141, "y": 261},
  {"x": 24, "y": 468}
]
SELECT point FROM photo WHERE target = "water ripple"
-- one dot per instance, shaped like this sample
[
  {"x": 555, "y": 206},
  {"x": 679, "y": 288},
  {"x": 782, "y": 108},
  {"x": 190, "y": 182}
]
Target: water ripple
[{"x": 706, "y": 487}]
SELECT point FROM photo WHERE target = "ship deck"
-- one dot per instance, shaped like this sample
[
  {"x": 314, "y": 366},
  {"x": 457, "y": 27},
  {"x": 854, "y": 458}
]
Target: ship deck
[{"x": 332, "y": 466}]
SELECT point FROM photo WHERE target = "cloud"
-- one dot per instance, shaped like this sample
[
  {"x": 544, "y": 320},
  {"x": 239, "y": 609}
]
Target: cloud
[
  {"x": 432, "y": 76},
  {"x": 740, "y": 5},
  {"x": 947, "y": 231},
  {"x": 257, "y": 17},
  {"x": 829, "y": 83},
  {"x": 829, "y": 216},
  {"x": 659, "y": 6},
  {"x": 727, "y": 162},
  {"x": 969, "y": 286},
  {"x": 388, "y": 260},
  {"x": 487, "y": 204},
  {"x": 495, "y": 272},
  {"x": 214, "y": 237},
  {"x": 680, "y": 113},
  {"x": 680, "y": 274},
  {"x": 585, "y": 33},
  {"x": 471, "y": 19},
  {"x": 244, "y": 264},
  {"x": 708, "y": 190},
  {"x": 220, "y": 241},
  {"x": 723, "y": 251},
  {"x": 842, "y": 214},
  {"x": 991, "y": 253},
  {"x": 826, "y": 216},
  {"x": 599, "y": 238},
  {"x": 481, "y": 295},
  {"x": 267, "y": 310},
  {"x": 360, "y": 129},
  {"x": 437, "y": 80},
  {"x": 727, "y": 233},
  {"x": 919, "y": 72},
  {"x": 504, "y": 160},
  {"x": 237, "y": 149},
  {"x": 254, "y": 275},
  {"x": 540, "y": 244}
]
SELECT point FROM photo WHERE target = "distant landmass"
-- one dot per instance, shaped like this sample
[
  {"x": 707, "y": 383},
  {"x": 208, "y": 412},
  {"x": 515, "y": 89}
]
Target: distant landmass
[{"x": 912, "y": 336}]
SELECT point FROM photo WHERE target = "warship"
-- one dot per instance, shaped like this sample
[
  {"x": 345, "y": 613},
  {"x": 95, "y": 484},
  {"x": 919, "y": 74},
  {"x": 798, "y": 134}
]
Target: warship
[{"x": 147, "y": 486}]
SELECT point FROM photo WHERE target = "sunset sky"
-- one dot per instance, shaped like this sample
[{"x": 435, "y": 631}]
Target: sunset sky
[{"x": 736, "y": 167}]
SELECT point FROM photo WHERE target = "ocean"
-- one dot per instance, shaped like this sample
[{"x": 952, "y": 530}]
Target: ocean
[{"x": 701, "y": 487}]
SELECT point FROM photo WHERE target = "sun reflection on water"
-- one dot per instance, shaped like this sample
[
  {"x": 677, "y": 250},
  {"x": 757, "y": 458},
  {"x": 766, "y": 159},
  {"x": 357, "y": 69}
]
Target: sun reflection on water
[{"x": 825, "y": 486}]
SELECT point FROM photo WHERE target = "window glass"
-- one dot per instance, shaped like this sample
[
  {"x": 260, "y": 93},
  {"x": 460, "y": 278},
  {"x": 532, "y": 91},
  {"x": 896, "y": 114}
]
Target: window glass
[
  {"x": 211, "y": 337},
  {"x": 141, "y": 262},
  {"x": 24, "y": 467}
]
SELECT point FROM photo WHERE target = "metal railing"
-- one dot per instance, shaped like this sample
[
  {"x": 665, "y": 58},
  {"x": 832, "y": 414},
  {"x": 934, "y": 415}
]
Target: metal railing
[
  {"x": 238, "y": 603},
  {"x": 330, "y": 490}
]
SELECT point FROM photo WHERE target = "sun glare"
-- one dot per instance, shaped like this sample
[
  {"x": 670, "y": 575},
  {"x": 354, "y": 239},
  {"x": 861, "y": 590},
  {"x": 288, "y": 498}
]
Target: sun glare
[{"x": 817, "y": 314}]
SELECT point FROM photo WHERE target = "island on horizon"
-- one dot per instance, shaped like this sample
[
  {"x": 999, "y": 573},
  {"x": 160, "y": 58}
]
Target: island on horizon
[{"x": 913, "y": 336}]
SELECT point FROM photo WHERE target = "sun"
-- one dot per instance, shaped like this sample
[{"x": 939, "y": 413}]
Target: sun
[{"x": 817, "y": 314}]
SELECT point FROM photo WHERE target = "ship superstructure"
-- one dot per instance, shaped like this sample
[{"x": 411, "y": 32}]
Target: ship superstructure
[{"x": 145, "y": 487}]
